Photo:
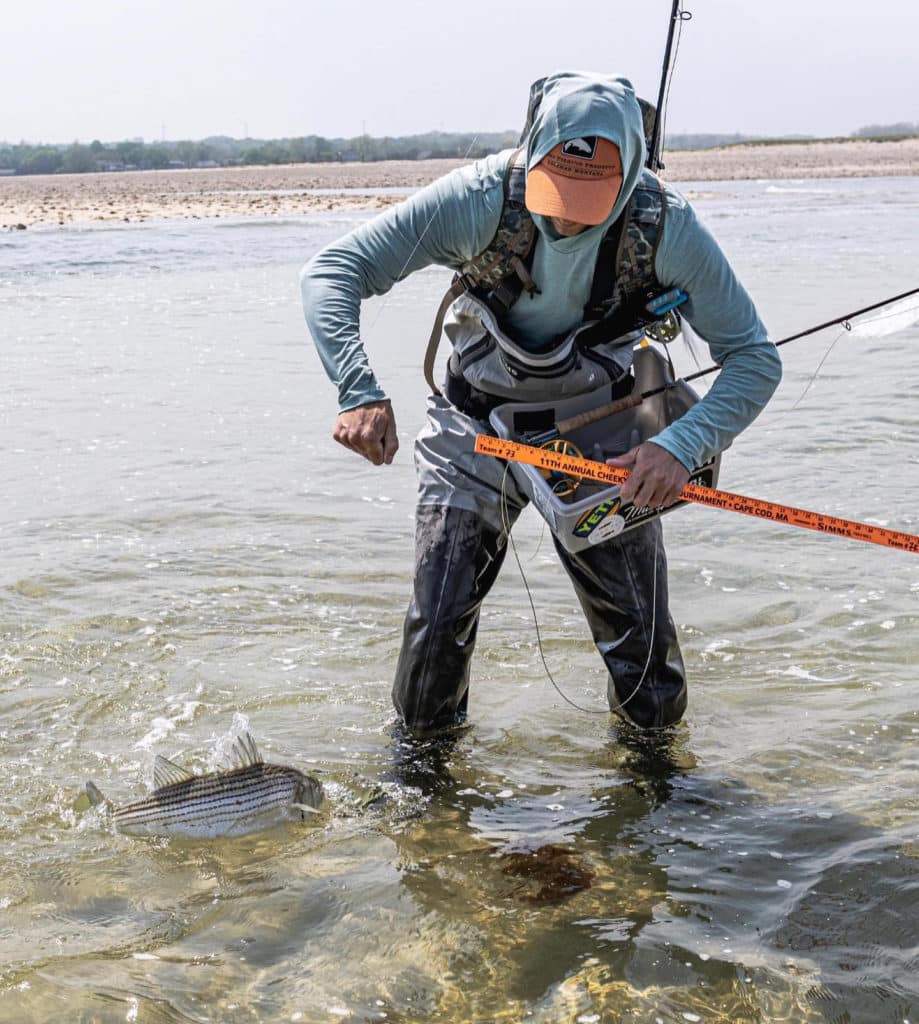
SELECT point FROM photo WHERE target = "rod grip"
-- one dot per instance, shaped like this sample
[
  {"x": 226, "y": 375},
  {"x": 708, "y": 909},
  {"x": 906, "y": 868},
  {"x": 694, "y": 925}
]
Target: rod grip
[{"x": 600, "y": 413}]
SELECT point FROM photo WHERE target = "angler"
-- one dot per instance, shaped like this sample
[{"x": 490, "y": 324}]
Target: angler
[{"x": 565, "y": 250}]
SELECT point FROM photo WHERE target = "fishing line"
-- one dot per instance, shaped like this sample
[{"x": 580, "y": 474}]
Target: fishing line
[
  {"x": 826, "y": 355},
  {"x": 539, "y": 540},
  {"x": 902, "y": 317},
  {"x": 417, "y": 244},
  {"x": 505, "y": 522},
  {"x": 602, "y": 412},
  {"x": 657, "y": 135},
  {"x": 681, "y": 17},
  {"x": 842, "y": 319}
]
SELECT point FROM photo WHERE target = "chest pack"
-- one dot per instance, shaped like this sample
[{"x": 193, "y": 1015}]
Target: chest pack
[{"x": 624, "y": 294}]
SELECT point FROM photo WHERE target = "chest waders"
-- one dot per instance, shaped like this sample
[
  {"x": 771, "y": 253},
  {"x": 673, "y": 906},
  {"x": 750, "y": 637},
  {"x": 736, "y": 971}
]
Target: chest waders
[
  {"x": 488, "y": 367},
  {"x": 465, "y": 499}
]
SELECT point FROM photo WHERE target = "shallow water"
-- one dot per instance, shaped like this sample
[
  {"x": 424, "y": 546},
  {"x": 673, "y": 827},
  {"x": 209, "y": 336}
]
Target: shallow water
[{"x": 183, "y": 543}]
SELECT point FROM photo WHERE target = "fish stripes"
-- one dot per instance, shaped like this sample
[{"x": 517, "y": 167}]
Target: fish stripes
[
  {"x": 211, "y": 799},
  {"x": 253, "y": 796}
]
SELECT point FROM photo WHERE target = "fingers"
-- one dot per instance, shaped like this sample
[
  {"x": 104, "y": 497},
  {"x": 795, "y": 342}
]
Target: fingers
[
  {"x": 657, "y": 478},
  {"x": 360, "y": 438},
  {"x": 626, "y": 459},
  {"x": 390, "y": 441},
  {"x": 651, "y": 494},
  {"x": 369, "y": 430}
]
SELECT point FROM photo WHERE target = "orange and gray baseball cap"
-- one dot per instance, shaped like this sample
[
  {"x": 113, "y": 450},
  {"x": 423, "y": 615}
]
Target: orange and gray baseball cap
[{"x": 578, "y": 180}]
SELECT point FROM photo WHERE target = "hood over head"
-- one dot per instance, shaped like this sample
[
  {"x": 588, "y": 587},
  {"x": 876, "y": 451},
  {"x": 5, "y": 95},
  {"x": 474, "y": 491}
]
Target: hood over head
[{"x": 578, "y": 105}]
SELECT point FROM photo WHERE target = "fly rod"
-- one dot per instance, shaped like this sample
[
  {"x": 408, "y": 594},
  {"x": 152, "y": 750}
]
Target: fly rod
[
  {"x": 654, "y": 147},
  {"x": 601, "y": 412},
  {"x": 770, "y": 511}
]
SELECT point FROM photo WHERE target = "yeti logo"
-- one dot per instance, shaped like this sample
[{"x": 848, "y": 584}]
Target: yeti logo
[{"x": 584, "y": 148}]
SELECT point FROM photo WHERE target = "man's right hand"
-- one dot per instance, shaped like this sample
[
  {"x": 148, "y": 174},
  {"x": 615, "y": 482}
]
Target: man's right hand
[{"x": 369, "y": 430}]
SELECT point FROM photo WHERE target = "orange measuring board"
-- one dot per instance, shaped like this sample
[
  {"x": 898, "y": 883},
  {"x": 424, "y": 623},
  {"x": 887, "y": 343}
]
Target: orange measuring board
[{"x": 770, "y": 511}]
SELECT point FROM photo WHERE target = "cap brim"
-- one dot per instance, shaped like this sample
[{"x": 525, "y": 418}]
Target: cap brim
[{"x": 584, "y": 202}]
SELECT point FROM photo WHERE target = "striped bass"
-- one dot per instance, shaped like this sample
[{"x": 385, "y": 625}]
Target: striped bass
[{"x": 250, "y": 796}]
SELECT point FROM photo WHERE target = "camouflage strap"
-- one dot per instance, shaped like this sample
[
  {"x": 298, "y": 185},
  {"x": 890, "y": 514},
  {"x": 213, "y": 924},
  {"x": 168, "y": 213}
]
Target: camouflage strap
[
  {"x": 624, "y": 276},
  {"x": 504, "y": 258},
  {"x": 645, "y": 223},
  {"x": 624, "y": 273},
  {"x": 501, "y": 262}
]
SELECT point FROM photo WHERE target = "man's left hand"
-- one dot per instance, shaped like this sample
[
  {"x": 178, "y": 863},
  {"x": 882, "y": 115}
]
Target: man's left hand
[{"x": 656, "y": 478}]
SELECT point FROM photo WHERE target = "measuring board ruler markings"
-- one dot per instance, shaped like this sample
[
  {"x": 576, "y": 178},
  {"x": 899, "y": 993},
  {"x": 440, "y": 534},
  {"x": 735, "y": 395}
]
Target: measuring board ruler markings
[{"x": 770, "y": 511}]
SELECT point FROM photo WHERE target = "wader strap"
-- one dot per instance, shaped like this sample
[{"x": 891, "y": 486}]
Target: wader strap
[
  {"x": 499, "y": 273},
  {"x": 456, "y": 290},
  {"x": 609, "y": 256},
  {"x": 624, "y": 273}
]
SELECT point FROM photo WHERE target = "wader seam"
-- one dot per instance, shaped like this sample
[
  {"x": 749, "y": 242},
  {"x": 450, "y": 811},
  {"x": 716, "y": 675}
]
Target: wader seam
[
  {"x": 429, "y": 642},
  {"x": 649, "y": 640}
]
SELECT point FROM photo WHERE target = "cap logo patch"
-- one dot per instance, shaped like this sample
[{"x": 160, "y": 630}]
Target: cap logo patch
[{"x": 585, "y": 147}]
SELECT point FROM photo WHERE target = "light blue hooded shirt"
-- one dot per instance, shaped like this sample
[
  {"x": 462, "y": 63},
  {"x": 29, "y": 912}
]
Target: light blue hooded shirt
[{"x": 454, "y": 219}]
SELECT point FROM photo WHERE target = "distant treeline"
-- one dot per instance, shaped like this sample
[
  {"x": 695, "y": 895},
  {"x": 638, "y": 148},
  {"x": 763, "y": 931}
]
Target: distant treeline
[
  {"x": 698, "y": 140},
  {"x": 705, "y": 141},
  {"x": 222, "y": 151},
  {"x": 888, "y": 131}
]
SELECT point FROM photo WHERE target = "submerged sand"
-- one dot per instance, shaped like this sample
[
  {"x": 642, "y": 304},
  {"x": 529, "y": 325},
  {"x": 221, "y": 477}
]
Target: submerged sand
[{"x": 61, "y": 199}]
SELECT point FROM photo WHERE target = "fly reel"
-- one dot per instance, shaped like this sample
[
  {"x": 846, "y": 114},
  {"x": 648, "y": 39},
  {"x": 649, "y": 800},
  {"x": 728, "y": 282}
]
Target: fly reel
[{"x": 563, "y": 486}]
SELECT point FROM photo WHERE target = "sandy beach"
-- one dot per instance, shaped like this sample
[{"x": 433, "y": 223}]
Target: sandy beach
[{"x": 63, "y": 199}]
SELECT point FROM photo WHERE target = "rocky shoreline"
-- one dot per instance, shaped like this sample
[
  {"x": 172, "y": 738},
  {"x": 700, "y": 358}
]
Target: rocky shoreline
[{"x": 64, "y": 199}]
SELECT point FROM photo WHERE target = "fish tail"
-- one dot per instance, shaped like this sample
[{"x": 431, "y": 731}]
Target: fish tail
[{"x": 95, "y": 797}]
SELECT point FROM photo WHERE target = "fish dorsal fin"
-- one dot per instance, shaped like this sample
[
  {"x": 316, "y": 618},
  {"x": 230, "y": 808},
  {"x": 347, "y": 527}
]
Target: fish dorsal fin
[
  {"x": 244, "y": 752},
  {"x": 165, "y": 773}
]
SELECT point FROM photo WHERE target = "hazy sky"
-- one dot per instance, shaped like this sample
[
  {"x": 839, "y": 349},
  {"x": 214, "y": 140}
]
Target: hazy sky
[{"x": 112, "y": 70}]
